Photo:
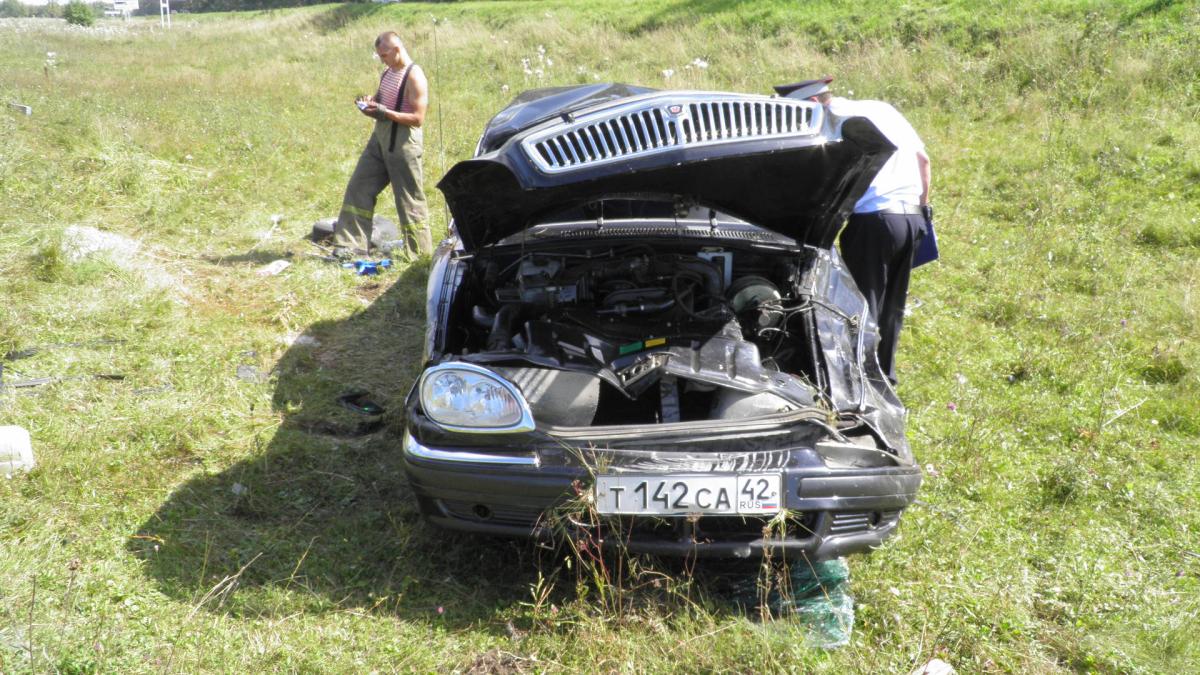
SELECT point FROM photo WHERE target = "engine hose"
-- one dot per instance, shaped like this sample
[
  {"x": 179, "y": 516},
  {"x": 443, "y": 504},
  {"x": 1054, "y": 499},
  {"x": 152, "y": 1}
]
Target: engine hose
[
  {"x": 623, "y": 309},
  {"x": 502, "y": 327},
  {"x": 689, "y": 294}
]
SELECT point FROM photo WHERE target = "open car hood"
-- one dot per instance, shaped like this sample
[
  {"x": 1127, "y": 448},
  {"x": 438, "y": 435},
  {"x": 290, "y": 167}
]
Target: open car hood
[{"x": 782, "y": 164}]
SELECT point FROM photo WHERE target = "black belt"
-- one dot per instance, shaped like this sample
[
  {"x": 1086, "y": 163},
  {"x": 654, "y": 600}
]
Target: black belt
[{"x": 901, "y": 210}]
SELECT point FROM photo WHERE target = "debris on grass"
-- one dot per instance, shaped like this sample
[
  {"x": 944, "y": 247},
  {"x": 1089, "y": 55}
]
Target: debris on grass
[
  {"x": 274, "y": 268},
  {"x": 367, "y": 267},
  {"x": 815, "y": 595},
  {"x": 42, "y": 381},
  {"x": 358, "y": 401},
  {"x": 16, "y": 450},
  {"x": 383, "y": 230}
]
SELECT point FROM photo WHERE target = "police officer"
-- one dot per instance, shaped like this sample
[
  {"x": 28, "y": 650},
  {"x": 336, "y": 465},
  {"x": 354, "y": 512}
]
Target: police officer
[
  {"x": 392, "y": 155},
  {"x": 890, "y": 221}
]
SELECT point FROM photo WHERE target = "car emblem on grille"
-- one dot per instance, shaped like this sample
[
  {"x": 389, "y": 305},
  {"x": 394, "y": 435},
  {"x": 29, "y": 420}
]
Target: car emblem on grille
[{"x": 675, "y": 109}]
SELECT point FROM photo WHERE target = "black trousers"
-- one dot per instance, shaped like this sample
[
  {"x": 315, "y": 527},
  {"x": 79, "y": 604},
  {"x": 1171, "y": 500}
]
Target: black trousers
[{"x": 878, "y": 249}]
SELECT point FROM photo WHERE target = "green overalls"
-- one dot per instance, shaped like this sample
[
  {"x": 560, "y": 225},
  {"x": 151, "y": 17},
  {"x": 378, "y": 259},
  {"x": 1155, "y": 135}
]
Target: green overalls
[{"x": 393, "y": 155}]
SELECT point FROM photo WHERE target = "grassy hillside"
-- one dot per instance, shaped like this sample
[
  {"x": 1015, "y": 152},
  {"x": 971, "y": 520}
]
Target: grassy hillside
[{"x": 215, "y": 510}]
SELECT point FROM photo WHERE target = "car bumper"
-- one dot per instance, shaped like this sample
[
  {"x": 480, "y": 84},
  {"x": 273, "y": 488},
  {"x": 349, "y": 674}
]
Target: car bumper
[{"x": 833, "y": 511}]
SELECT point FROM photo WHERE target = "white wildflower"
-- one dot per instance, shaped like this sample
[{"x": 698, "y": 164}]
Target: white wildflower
[
  {"x": 668, "y": 73},
  {"x": 699, "y": 63}
]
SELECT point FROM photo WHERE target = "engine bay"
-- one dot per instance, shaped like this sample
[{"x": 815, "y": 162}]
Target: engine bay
[{"x": 637, "y": 334}]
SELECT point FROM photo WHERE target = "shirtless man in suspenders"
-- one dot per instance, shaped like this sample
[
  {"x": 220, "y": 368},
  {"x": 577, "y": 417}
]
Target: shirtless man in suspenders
[{"x": 392, "y": 156}]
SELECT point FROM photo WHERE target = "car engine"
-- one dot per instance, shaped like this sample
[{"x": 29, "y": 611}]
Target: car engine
[{"x": 637, "y": 334}]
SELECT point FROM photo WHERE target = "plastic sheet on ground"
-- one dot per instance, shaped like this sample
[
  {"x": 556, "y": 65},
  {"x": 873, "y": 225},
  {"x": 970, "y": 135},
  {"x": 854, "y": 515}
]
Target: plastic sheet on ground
[{"x": 818, "y": 600}]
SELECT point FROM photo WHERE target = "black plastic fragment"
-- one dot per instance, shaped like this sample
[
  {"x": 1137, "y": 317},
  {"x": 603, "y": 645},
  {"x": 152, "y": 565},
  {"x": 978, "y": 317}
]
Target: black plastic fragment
[{"x": 357, "y": 401}]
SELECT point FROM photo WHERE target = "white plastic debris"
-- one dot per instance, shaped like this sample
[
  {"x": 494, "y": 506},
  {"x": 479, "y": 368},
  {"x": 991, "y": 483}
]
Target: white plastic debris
[
  {"x": 274, "y": 268},
  {"x": 16, "y": 450},
  {"x": 935, "y": 667}
]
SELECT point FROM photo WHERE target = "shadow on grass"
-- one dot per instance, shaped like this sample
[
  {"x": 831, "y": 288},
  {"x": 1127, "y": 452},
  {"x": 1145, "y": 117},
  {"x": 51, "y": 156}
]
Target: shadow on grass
[
  {"x": 1147, "y": 9},
  {"x": 339, "y": 16},
  {"x": 321, "y": 517},
  {"x": 685, "y": 12}
]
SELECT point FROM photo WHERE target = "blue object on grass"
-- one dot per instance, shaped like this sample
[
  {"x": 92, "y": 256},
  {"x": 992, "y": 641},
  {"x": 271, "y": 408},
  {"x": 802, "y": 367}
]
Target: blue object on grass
[{"x": 366, "y": 267}]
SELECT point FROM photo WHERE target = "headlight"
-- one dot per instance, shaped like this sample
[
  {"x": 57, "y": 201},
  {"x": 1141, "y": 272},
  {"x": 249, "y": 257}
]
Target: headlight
[{"x": 466, "y": 397}]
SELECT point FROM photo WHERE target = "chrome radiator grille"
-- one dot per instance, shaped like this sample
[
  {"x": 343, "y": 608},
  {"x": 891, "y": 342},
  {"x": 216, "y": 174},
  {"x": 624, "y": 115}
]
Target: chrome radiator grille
[{"x": 656, "y": 125}]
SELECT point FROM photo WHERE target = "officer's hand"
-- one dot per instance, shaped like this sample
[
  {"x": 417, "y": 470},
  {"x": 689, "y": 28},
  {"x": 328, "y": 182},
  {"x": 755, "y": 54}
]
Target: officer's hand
[
  {"x": 927, "y": 212},
  {"x": 366, "y": 105}
]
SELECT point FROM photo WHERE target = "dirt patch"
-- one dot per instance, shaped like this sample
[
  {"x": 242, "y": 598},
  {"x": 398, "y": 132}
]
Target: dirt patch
[
  {"x": 370, "y": 291},
  {"x": 80, "y": 242}
]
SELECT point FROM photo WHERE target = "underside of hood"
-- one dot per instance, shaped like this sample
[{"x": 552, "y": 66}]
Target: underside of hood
[{"x": 782, "y": 164}]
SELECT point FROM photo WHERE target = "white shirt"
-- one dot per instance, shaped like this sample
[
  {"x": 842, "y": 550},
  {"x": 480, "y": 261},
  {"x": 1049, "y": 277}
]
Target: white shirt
[{"x": 899, "y": 181}]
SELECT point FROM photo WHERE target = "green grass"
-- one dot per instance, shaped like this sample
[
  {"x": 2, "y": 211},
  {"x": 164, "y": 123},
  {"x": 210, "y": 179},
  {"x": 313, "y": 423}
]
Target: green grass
[{"x": 186, "y": 519}]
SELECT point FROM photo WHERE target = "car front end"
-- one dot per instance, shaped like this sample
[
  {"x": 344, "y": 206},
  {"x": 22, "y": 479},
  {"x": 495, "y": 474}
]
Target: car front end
[{"x": 641, "y": 332}]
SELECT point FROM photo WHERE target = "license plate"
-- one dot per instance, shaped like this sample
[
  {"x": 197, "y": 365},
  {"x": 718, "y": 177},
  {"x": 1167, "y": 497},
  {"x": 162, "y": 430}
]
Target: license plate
[{"x": 732, "y": 494}]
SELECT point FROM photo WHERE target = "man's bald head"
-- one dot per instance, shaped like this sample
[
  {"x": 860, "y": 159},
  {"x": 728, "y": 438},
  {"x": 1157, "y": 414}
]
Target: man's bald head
[
  {"x": 390, "y": 50},
  {"x": 388, "y": 37}
]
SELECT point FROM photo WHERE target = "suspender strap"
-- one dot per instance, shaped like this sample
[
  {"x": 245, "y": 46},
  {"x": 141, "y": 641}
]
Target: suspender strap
[{"x": 399, "y": 103}]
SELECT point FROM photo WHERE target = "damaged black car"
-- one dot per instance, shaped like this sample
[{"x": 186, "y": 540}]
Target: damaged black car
[{"x": 641, "y": 316}]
